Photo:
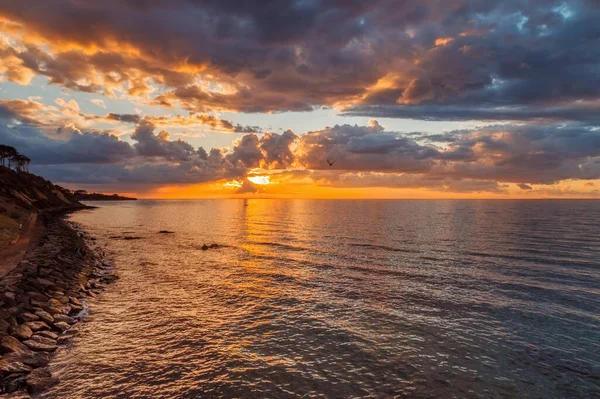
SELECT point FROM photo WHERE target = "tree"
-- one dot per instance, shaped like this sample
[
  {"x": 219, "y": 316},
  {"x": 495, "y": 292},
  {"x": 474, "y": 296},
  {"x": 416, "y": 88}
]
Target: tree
[
  {"x": 22, "y": 163},
  {"x": 6, "y": 152},
  {"x": 13, "y": 154}
]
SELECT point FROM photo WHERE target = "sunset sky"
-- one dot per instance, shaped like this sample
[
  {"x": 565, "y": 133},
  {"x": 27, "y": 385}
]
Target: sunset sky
[{"x": 407, "y": 99}]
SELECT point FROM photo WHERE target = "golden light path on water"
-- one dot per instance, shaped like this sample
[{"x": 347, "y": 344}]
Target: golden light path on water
[{"x": 314, "y": 298}]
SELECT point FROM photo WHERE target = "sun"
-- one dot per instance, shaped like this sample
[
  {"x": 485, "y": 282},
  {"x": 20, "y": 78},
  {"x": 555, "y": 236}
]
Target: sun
[{"x": 261, "y": 180}]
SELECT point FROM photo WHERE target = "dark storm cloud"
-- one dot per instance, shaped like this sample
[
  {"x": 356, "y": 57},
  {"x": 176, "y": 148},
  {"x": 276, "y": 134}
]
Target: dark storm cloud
[
  {"x": 443, "y": 60},
  {"x": 542, "y": 154},
  {"x": 150, "y": 145},
  {"x": 131, "y": 118},
  {"x": 79, "y": 147}
]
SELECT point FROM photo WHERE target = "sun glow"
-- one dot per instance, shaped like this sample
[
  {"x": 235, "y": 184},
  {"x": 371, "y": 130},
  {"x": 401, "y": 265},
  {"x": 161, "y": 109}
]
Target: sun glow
[{"x": 264, "y": 179}]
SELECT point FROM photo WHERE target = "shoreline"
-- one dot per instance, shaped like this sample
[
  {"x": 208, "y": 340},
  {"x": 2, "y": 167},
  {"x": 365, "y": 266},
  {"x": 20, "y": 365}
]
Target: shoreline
[{"x": 42, "y": 297}]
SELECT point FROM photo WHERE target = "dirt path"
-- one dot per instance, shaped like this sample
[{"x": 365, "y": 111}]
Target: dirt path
[{"x": 12, "y": 255}]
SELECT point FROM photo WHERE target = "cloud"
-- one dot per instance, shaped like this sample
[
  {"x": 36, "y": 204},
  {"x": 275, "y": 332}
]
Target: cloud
[
  {"x": 150, "y": 145},
  {"x": 486, "y": 158},
  {"x": 70, "y": 105},
  {"x": 453, "y": 60},
  {"x": 79, "y": 147}
]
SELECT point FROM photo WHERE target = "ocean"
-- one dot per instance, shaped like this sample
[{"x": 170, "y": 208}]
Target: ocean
[{"x": 341, "y": 299}]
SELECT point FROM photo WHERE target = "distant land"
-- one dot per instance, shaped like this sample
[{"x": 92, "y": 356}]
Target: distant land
[{"x": 82, "y": 195}]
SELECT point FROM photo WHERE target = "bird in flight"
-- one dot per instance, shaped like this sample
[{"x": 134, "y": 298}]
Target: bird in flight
[{"x": 330, "y": 162}]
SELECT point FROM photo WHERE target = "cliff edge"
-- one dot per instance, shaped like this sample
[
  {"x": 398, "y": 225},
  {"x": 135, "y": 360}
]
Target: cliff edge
[{"x": 22, "y": 197}]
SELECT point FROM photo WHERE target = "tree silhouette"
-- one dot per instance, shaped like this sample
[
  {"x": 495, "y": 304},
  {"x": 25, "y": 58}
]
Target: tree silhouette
[
  {"x": 21, "y": 163},
  {"x": 9, "y": 156},
  {"x": 12, "y": 156},
  {"x": 6, "y": 152}
]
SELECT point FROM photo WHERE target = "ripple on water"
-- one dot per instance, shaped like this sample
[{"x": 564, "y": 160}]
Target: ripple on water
[{"x": 413, "y": 298}]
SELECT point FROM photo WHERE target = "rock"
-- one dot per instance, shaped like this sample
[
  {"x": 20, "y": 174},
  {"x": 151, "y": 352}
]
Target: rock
[
  {"x": 39, "y": 380},
  {"x": 11, "y": 344},
  {"x": 38, "y": 303},
  {"x": 15, "y": 382},
  {"x": 25, "y": 317},
  {"x": 20, "y": 331},
  {"x": 37, "y": 296},
  {"x": 54, "y": 302},
  {"x": 41, "y": 344},
  {"x": 37, "y": 325},
  {"x": 67, "y": 336},
  {"x": 47, "y": 334},
  {"x": 30, "y": 358},
  {"x": 166, "y": 232},
  {"x": 76, "y": 309},
  {"x": 9, "y": 297},
  {"x": 44, "y": 316},
  {"x": 66, "y": 319},
  {"x": 62, "y": 299},
  {"x": 204, "y": 247},
  {"x": 4, "y": 326},
  {"x": 13, "y": 310},
  {"x": 61, "y": 326},
  {"x": 75, "y": 301},
  {"x": 214, "y": 245},
  {"x": 45, "y": 283},
  {"x": 12, "y": 366}
]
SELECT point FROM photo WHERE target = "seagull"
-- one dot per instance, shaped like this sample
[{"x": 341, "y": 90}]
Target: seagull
[{"x": 330, "y": 162}]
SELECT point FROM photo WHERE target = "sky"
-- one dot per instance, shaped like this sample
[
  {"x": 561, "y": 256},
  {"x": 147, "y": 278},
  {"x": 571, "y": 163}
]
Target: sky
[{"x": 305, "y": 98}]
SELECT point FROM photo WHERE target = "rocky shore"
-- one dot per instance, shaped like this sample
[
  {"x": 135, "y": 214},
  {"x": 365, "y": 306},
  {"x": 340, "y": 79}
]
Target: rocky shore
[{"x": 41, "y": 299}]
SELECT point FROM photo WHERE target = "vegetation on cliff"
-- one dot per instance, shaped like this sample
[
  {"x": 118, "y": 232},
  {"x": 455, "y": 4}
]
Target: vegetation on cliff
[{"x": 23, "y": 194}]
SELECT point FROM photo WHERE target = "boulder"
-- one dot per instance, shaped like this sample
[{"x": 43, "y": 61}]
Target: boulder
[
  {"x": 62, "y": 317},
  {"x": 45, "y": 283},
  {"x": 47, "y": 334},
  {"x": 75, "y": 301},
  {"x": 61, "y": 326},
  {"x": 11, "y": 344},
  {"x": 30, "y": 358},
  {"x": 37, "y": 325},
  {"x": 20, "y": 331},
  {"x": 44, "y": 316},
  {"x": 39, "y": 380},
  {"x": 41, "y": 344},
  {"x": 25, "y": 317},
  {"x": 13, "y": 383},
  {"x": 4, "y": 326},
  {"x": 204, "y": 247},
  {"x": 8, "y": 366}
]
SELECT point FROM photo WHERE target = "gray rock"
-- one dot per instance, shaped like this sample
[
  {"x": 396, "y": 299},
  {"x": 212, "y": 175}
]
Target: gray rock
[
  {"x": 12, "y": 366},
  {"x": 39, "y": 380},
  {"x": 20, "y": 331}
]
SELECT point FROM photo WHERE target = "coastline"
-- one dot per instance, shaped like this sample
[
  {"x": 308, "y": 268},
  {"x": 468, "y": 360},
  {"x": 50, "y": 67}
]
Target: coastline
[{"x": 42, "y": 297}]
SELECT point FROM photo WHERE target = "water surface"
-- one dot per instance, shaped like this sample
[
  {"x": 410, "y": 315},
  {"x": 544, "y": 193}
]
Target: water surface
[{"x": 342, "y": 299}]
